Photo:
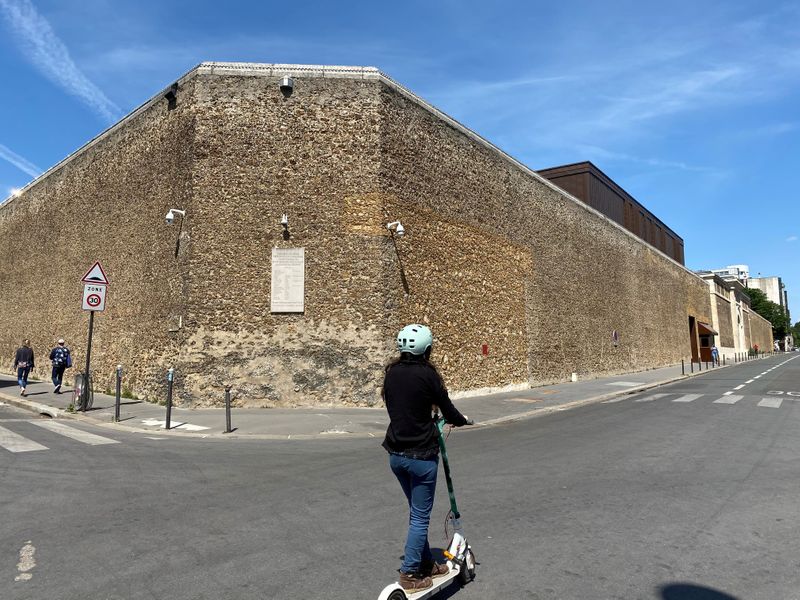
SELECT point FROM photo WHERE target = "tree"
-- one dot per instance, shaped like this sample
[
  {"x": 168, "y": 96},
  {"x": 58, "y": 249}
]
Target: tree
[{"x": 770, "y": 311}]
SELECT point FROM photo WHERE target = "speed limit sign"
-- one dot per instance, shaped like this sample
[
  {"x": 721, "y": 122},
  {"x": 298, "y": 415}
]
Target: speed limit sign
[{"x": 94, "y": 297}]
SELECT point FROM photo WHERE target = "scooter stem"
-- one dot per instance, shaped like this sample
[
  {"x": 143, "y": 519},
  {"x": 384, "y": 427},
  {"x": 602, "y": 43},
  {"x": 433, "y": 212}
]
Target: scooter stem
[{"x": 440, "y": 423}]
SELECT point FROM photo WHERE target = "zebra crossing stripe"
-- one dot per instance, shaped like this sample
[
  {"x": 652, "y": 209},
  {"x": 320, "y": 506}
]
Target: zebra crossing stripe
[
  {"x": 688, "y": 398},
  {"x": 650, "y": 398},
  {"x": 771, "y": 402},
  {"x": 16, "y": 443},
  {"x": 728, "y": 400},
  {"x": 73, "y": 433}
]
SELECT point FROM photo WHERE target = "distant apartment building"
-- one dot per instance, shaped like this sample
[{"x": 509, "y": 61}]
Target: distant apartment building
[
  {"x": 590, "y": 185},
  {"x": 740, "y": 272},
  {"x": 773, "y": 288}
]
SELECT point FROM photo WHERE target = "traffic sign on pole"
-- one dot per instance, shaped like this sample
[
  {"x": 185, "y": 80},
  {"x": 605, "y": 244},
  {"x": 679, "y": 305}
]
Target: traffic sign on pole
[
  {"x": 95, "y": 275},
  {"x": 94, "y": 297}
]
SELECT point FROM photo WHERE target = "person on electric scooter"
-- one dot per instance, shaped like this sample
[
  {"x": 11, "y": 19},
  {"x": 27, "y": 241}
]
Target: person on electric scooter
[{"x": 411, "y": 387}]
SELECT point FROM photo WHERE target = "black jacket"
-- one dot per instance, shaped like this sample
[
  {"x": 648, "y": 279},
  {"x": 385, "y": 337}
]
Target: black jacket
[
  {"x": 410, "y": 389},
  {"x": 23, "y": 355}
]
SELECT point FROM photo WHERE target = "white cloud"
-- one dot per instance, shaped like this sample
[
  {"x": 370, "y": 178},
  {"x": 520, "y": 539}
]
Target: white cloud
[
  {"x": 791, "y": 238},
  {"x": 598, "y": 153},
  {"x": 49, "y": 55},
  {"x": 18, "y": 161}
]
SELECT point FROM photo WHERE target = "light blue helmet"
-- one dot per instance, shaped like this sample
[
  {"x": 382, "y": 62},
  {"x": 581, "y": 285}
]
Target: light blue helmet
[{"x": 414, "y": 338}]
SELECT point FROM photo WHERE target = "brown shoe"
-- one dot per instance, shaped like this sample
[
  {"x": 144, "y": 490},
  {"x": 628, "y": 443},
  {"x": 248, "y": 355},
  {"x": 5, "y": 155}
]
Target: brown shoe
[
  {"x": 413, "y": 582},
  {"x": 434, "y": 569}
]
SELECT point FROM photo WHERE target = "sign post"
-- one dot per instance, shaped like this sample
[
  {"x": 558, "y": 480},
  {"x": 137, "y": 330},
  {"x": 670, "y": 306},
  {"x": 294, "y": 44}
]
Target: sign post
[{"x": 94, "y": 300}]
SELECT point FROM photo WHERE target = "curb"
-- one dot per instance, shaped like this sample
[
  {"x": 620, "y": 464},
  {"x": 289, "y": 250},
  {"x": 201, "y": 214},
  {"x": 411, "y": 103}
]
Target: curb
[{"x": 59, "y": 413}]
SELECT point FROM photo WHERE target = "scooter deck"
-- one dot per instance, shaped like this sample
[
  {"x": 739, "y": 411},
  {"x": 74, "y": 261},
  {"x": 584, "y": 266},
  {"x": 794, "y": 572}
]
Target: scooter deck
[{"x": 438, "y": 584}]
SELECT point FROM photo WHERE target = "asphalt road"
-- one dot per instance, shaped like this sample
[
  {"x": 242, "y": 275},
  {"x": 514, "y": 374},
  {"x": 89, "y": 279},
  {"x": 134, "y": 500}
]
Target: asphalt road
[{"x": 667, "y": 494}]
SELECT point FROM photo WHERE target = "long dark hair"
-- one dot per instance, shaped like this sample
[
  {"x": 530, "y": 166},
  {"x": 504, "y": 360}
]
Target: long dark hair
[{"x": 407, "y": 357}]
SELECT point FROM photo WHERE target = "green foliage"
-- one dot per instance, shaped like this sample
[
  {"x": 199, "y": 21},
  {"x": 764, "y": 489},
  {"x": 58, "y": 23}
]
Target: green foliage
[
  {"x": 770, "y": 311},
  {"x": 127, "y": 393}
]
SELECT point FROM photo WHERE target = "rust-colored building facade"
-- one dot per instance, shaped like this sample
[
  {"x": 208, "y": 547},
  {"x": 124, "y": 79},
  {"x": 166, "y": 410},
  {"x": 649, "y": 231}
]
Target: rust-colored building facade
[{"x": 588, "y": 183}]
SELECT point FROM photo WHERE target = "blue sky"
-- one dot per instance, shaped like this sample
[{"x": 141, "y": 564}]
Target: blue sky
[{"x": 692, "y": 107}]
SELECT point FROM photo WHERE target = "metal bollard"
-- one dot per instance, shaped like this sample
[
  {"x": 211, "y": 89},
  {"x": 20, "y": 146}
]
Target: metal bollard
[
  {"x": 724, "y": 360},
  {"x": 119, "y": 393},
  {"x": 227, "y": 409},
  {"x": 683, "y": 368},
  {"x": 170, "y": 378},
  {"x": 699, "y": 365},
  {"x": 691, "y": 365},
  {"x": 706, "y": 365}
]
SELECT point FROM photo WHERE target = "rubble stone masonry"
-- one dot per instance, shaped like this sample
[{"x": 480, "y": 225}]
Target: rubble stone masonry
[{"x": 521, "y": 283}]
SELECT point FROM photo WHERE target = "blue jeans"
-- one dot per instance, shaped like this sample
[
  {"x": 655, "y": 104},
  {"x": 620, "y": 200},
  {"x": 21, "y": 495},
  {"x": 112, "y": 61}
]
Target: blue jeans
[
  {"x": 58, "y": 374},
  {"x": 418, "y": 480},
  {"x": 22, "y": 376}
]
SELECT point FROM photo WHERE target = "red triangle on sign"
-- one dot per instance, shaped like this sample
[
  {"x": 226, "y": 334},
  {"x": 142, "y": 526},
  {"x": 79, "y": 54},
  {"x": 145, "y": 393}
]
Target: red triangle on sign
[{"x": 95, "y": 275}]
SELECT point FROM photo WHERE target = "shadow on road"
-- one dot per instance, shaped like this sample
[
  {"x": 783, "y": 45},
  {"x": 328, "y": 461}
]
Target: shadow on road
[{"x": 689, "y": 591}]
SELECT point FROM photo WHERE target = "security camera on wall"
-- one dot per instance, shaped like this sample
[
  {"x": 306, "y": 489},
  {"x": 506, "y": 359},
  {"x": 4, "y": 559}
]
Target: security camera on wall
[
  {"x": 287, "y": 86},
  {"x": 170, "y": 218}
]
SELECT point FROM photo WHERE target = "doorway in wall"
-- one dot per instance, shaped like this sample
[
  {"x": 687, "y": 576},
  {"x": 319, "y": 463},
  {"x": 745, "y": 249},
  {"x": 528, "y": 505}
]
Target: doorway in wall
[{"x": 693, "y": 339}]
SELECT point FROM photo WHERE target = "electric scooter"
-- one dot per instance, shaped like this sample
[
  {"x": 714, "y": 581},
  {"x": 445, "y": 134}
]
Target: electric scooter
[{"x": 460, "y": 558}]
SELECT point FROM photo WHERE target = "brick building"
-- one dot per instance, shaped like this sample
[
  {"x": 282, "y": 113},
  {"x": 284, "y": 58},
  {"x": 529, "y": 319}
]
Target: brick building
[{"x": 521, "y": 282}]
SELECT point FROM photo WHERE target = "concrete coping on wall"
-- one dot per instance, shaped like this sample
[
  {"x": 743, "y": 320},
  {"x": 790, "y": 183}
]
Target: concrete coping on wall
[{"x": 341, "y": 72}]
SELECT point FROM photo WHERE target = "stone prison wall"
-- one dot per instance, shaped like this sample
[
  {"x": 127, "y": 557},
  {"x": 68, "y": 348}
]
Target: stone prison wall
[{"x": 521, "y": 283}]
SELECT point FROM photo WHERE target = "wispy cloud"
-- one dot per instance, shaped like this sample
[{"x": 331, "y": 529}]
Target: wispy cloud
[
  {"x": 18, "y": 161},
  {"x": 49, "y": 55},
  {"x": 791, "y": 238},
  {"x": 596, "y": 153}
]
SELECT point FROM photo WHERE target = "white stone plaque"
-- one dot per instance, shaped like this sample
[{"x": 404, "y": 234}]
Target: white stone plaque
[{"x": 288, "y": 280}]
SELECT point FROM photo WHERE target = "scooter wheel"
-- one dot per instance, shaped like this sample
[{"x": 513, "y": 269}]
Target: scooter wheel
[
  {"x": 397, "y": 595},
  {"x": 467, "y": 572}
]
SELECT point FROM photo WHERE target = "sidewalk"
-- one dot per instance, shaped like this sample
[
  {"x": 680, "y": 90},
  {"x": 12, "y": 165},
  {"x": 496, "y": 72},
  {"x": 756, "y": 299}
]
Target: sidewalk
[{"x": 295, "y": 423}]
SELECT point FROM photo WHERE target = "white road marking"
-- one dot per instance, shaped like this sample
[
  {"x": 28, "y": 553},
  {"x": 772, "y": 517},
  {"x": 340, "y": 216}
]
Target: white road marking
[
  {"x": 650, "y": 398},
  {"x": 624, "y": 383},
  {"x": 749, "y": 381},
  {"x": 738, "y": 387},
  {"x": 727, "y": 393},
  {"x": 688, "y": 398},
  {"x": 771, "y": 402},
  {"x": 173, "y": 425},
  {"x": 16, "y": 443},
  {"x": 728, "y": 400},
  {"x": 26, "y": 562},
  {"x": 74, "y": 434},
  {"x": 757, "y": 376}
]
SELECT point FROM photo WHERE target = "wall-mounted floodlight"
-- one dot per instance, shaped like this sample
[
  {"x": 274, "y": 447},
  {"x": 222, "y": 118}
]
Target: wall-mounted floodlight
[
  {"x": 396, "y": 227},
  {"x": 285, "y": 221},
  {"x": 171, "y": 214}
]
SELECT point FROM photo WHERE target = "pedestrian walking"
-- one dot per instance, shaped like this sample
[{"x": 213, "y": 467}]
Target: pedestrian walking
[
  {"x": 23, "y": 363},
  {"x": 411, "y": 388},
  {"x": 62, "y": 360},
  {"x": 714, "y": 355}
]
